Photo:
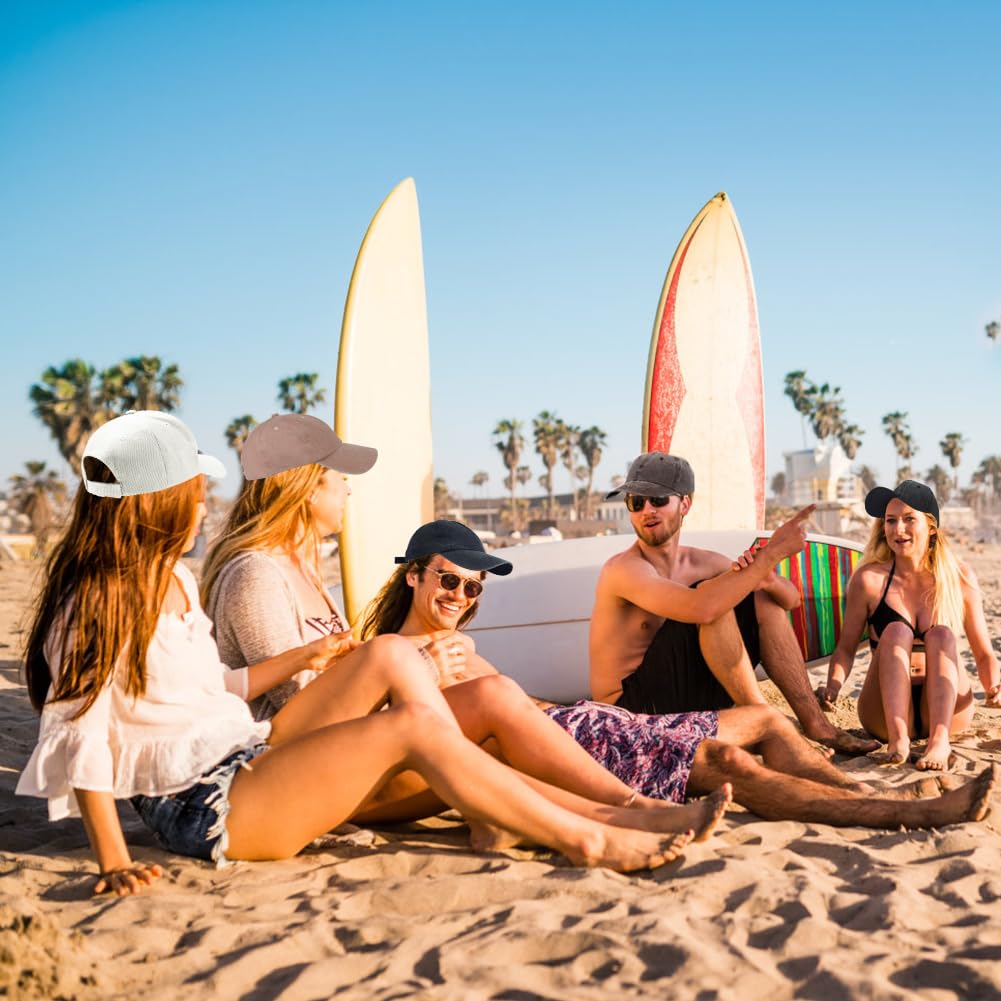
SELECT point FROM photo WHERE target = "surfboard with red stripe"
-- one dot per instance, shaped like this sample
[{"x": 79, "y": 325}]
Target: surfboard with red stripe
[{"x": 704, "y": 397}]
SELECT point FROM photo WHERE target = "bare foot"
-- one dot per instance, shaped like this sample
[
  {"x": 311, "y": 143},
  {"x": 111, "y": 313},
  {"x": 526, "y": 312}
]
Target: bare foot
[
  {"x": 896, "y": 753},
  {"x": 927, "y": 787},
  {"x": 487, "y": 838},
  {"x": 701, "y": 816},
  {"x": 969, "y": 802},
  {"x": 843, "y": 742},
  {"x": 938, "y": 757},
  {"x": 626, "y": 850}
]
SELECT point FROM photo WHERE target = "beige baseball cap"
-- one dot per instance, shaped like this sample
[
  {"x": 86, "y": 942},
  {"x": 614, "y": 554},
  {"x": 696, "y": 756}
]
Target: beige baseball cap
[{"x": 286, "y": 441}]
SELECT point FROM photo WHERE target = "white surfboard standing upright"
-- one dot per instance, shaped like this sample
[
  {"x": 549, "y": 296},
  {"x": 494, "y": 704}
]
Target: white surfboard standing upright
[{"x": 384, "y": 397}]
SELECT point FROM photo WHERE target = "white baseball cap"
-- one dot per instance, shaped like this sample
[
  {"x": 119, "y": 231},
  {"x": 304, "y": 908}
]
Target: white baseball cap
[{"x": 146, "y": 451}]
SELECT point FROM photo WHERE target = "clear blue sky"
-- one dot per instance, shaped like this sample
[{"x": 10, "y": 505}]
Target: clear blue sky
[{"x": 193, "y": 179}]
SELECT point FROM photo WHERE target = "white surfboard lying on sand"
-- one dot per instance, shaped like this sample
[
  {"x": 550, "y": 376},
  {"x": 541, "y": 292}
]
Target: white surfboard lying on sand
[{"x": 533, "y": 624}]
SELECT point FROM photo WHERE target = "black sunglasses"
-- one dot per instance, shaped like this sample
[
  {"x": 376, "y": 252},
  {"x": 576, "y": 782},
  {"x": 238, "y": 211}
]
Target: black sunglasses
[
  {"x": 636, "y": 503},
  {"x": 450, "y": 581}
]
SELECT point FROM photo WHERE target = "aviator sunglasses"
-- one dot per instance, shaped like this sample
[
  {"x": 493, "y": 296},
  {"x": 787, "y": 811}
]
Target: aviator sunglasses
[
  {"x": 636, "y": 503},
  {"x": 450, "y": 581}
]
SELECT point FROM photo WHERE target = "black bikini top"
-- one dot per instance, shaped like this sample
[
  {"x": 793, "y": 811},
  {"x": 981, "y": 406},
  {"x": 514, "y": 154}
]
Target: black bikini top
[{"x": 883, "y": 615}]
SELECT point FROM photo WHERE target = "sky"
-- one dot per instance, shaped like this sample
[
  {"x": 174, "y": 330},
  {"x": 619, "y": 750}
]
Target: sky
[{"x": 193, "y": 180}]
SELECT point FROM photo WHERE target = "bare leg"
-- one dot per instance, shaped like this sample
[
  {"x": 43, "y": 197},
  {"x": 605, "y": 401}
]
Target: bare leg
[
  {"x": 385, "y": 669},
  {"x": 942, "y": 690},
  {"x": 783, "y": 662},
  {"x": 307, "y": 786},
  {"x": 765, "y": 731},
  {"x": 895, "y": 717},
  {"x": 527, "y": 739},
  {"x": 776, "y": 796},
  {"x": 723, "y": 649}
]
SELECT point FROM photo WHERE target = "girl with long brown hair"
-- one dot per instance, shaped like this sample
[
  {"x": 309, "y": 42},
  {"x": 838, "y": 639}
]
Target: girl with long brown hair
[{"x": 123, "y": 667}]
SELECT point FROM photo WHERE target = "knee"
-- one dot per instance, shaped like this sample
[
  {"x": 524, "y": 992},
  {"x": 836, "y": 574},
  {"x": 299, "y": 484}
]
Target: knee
[
  {"x": 728, "y": 758},
  {"x": 941, "y": 638},
  {"x": 415, "y": 718},
  {"x": 496, "y": 691},
  {"x": 773, "y": 722},
  {"x": 897, "y": 634},
  {"x": 390, "y": 648}
]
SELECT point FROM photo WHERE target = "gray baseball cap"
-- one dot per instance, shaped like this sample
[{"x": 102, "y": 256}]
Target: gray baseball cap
[
  {"x": 656, "y": 474},
  {"x": 146, "y": 451},
  {"x": 286, "y": 441}
]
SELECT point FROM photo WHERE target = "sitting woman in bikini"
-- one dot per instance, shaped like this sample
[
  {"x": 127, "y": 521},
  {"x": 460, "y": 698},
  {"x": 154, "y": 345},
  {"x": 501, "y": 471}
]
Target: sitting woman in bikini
[{"x": 915, "y": 597}]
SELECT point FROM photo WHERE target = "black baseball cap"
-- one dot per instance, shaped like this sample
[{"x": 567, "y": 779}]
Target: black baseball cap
[
  {"x": 457, "y": 543},
  {"x": 656, "y": 474},
  {"x": 912, "y": 493}
]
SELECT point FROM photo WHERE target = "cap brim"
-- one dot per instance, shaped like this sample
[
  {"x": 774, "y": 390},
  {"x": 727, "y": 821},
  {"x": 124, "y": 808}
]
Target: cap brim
[
  {"x": 211, "y": 466},
  {"x": 876, "y": 501},
  {"x": 470, "y": 559},
  {"x": 642, "y": 488},
  {"x": 353, "y": 459}
]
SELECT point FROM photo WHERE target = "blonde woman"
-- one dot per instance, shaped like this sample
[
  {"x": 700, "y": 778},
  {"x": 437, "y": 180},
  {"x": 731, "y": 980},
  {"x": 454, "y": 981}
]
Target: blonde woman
[
  {"x": 122, "y": 667},
  {"x": 915, "y": 597}
]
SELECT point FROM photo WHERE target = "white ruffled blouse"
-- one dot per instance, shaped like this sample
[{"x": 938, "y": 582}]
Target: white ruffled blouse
[{"x": 155, "y": 744}]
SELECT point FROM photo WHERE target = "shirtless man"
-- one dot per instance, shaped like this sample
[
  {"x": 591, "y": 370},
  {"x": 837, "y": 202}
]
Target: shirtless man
[
  {"x": 437, "y": 589},
  {"x": 675, "y": 628}
]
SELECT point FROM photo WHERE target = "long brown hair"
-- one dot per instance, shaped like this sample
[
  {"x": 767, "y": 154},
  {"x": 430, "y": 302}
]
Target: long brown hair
[
  {"x": 388, "y": 610},
  {"x": 105, "y": 583},
  {"x": 272, "y": 513}
]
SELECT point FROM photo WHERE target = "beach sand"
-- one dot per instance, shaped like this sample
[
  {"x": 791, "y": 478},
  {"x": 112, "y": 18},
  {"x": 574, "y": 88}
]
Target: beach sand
[{"x": 764, "y": 910}]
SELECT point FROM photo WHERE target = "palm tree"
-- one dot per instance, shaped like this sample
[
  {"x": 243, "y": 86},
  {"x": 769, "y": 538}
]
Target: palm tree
[
  {"x": 952, "y": 448},
  {"x": 868, "y": 477},
  {"x": 940, "y": 479},
  {"x": 827, "y": 411},
  {"x": 592, "y": 442},
  {"x": 798, "y": 388},
  {"x": 990, "y": 470},
  {"x": 778, "y": 485},
  {"x": 72, "y": 402},
  {"x": 479, "y": 479},
  {"x": 569, "y": 447},
  {"x": 895, "y": 425},
  {"x": 509, "y": 441},
  {"x": 143, "y": 383},
  {"x": 299, "y": 393},
  {"x": 238, "y": 431},
  {"x": 36, "y": 495},
  {"x": 993, "y": 330},
  {"x": 850, "y": 439},
  {"x": 443, "y": 499},
  {"x": 546, "y": 432}
]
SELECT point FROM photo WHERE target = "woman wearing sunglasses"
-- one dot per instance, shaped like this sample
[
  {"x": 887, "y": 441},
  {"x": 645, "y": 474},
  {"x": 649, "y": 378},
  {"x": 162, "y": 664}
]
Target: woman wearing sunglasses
[{"x": 263, "y": 588}]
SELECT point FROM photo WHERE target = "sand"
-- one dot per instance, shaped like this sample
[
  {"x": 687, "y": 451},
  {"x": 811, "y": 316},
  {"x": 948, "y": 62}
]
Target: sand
[{"x": 764, "y": 910}]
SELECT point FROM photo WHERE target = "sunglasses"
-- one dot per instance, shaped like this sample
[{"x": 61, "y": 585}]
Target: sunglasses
[
  {"x": 635, "y": 503},
  {"x": 450, "y": 581}
]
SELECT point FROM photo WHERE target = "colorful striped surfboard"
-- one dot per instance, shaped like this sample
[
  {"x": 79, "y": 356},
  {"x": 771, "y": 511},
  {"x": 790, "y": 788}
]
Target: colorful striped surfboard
[{"x": 821, "y": 573}]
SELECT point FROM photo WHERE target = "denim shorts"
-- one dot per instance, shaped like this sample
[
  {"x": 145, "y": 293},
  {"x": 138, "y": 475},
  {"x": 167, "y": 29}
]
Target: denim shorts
[{"x": 193, "y": 821}]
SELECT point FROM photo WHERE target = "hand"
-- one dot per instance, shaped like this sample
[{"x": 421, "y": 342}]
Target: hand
[
  {"x": 790, "y": 537},
  {"x": 330, "y": 648},
  {"x": 744, "y": 559},
  {"x": 993, "y": 700},
  {"x": 827, "y": 695},
  {"x": 127, "y": 880},
  {"x": 450, "y": 653}
]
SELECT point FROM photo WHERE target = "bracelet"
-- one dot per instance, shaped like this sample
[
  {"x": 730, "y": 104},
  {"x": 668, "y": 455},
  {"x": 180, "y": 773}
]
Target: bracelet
[{"x": 432, "y": 666}]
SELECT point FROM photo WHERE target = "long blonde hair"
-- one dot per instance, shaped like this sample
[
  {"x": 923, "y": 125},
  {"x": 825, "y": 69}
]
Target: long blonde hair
[
  {"x": 268, "y": 514},
  {"x": 105, "y": 584},
  {"x": 939, "y": 560}
]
